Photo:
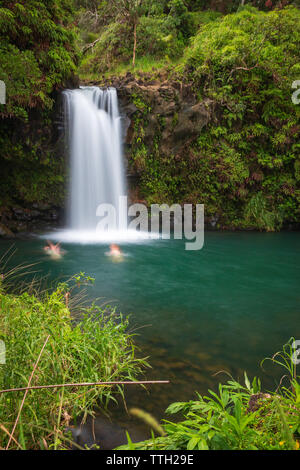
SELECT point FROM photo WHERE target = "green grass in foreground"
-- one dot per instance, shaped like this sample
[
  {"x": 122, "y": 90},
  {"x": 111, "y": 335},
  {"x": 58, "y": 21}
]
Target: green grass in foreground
[
  {"x": 95, "y": 348},
  {"x": 238, "y": 417}
]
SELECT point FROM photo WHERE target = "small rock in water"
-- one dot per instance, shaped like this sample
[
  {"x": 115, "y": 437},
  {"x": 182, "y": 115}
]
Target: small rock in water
[
  {"x": 6, "y": 232},
  {"x": 105, "y": 434}
]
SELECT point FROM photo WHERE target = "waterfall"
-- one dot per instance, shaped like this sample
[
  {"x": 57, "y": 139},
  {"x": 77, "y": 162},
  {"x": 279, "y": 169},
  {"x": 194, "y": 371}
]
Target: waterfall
[
  {"x": 94, "y": 138},
  {"x": 94, "y": 142}
]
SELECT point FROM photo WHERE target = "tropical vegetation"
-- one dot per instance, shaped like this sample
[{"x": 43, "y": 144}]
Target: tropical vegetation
[
  {"x": 237, "y": 417},
  {"x": 52, "y": 338}
]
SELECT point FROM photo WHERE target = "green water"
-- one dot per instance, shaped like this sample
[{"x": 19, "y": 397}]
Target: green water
[{"x": 225, "y": 307}]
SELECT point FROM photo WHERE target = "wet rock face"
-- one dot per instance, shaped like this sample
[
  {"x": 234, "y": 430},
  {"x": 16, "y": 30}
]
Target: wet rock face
[
  {"x": 19, "y": 221},
  {"x": 173, "y": 110}
]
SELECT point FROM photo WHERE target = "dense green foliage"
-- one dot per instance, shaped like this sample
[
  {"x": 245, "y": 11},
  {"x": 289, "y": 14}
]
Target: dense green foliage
[
  {"x": 238, "y": 417},
  {"x": 163, "y": 28},
  {"x": 37, "y": 53},
  {"x": 37, "y": 58},
  {"x": 247, "y": 162},
  {"x": 244, "y": 165},
  {"x": 163, "y": 31},
  {"x": 96, "y": 347}
]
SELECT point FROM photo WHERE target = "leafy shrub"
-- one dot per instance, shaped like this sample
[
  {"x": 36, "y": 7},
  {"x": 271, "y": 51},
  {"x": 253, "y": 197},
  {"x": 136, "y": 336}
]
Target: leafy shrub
[
  {"x": 156, "y": 38},
  {"x": 238, "y": 417},
  {"x": 246, "y": 63},
  {"x": 37, "y": 53},
  {"x": 112, "y": 46}
]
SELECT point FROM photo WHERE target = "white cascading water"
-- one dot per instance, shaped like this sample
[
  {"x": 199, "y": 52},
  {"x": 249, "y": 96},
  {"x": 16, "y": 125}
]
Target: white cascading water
[
  {"x": 96, "y": 171},
  {"x": 94, "y": 135}
]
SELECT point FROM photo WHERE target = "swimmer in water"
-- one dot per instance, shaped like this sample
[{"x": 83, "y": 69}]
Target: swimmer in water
[
  {"x": 115, "y": 250},
  {"x": 53, "y": 250}
]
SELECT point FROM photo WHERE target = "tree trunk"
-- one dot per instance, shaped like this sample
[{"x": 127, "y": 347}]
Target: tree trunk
[{"x": 134, "y": 43}]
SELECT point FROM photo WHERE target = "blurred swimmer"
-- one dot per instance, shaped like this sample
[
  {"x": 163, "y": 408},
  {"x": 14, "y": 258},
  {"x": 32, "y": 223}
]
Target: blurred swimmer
[
  {"x": 115, "y": 253},
  {"x": 115, "y": 250},
  {"x": 54, "y": 251}
]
